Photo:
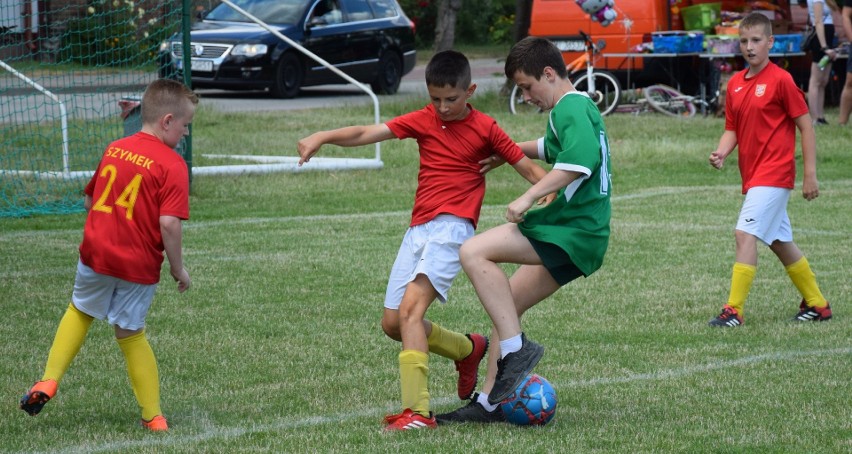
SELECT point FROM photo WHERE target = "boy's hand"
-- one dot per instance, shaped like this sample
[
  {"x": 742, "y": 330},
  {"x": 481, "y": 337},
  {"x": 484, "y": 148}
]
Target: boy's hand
[
  {"x": 717, "y": 159},
  {"x": 491, "y": 163},
  {"x": 182, "y": 278},
  {"x": 307, "y": 148},
  {"x": 546, "y": 199},
  {"x": 516, "y": 210},
  {"x": 810, "y": 188}
]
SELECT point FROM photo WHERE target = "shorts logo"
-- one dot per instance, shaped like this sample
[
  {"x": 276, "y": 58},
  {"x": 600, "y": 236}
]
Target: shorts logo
[
  {"x": 749, "y": 219},
  {"x": 760, "y": 90}
]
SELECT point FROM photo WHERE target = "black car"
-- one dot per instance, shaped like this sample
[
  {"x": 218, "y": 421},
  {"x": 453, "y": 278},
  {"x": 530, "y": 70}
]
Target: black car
[{"x": 370, "y": 40}]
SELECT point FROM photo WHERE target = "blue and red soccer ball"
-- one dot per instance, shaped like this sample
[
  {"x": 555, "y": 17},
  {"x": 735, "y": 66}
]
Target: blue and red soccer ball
[{"x": 533, "y": 403}]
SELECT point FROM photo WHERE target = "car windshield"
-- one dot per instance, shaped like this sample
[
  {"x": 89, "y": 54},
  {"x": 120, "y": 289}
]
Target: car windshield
[{"x": 270, "y": 11}]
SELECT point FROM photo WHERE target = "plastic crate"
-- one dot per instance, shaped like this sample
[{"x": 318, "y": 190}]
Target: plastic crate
[
  {"x": 677, "y": 42},
  {"x": 786, "y": 43},
  {"x": 723, "y": 44},
  {"x": 702, "y": 17}
]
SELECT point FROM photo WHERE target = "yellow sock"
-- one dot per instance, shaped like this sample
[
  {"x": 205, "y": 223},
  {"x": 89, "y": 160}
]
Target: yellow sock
[
  {"x": 142, "y": 370},
  {"x": 449, "y": 344},
  {"x": 414, "y": 377},
  {"x": 70, "y": 335},
  {"x": 805, "y": 280},
  {"x": 741, "y": 279}
]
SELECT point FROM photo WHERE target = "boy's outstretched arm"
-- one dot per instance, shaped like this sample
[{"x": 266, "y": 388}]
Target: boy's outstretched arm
[
  {"x": 810, "y": 185},
  {"x": 726, "y": 145},
  {"x": 172, "y": 231},
  {"x": 350, "y": 136}
]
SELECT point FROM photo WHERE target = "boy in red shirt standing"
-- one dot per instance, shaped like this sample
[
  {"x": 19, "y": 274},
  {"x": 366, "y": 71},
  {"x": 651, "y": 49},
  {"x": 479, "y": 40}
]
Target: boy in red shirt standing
[
  {"x": 454, "y": 139},
  {"x": 136, "y": 202},
  {"x": 763, "y": 109}
]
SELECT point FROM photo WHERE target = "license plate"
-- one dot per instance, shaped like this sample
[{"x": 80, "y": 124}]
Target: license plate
[
  {"x": 570, "y": 45},
  {"x": 201, "y": 65}
]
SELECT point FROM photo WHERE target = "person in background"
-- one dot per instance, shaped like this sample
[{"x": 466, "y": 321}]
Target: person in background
[
  {"x": 819, "y": 14},
  {"x": 846, "y": 94},
  {"x": 763, "y": 109}
]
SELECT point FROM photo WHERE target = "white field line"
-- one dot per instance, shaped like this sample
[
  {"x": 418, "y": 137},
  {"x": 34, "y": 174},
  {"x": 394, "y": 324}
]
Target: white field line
[
  {"x": 213, "y": 433},
  {"x": 487, "y": 210}
]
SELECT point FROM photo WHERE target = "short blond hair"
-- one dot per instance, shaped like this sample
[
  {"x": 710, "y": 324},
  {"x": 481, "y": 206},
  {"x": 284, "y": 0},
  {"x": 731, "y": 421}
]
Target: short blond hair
[
  {"x": 165, "y": 96},
  {"x": 756, "y": 20}
]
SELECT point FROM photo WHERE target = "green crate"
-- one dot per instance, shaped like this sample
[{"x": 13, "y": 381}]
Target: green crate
[{"x": 704, "y": 16}]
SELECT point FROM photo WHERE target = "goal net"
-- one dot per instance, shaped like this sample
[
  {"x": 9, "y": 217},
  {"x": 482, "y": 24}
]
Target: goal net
[{"x": 65, "y": 67}]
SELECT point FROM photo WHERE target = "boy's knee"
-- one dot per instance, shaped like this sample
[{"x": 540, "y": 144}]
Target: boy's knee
[
  {"x": 466, "y": 252},
  {"x": 390, "y": 325},
  {"x": 744, "y": 238}
]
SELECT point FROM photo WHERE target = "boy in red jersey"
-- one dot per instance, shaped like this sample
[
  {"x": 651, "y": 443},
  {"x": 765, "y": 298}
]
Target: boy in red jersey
[
  {"x": 136, "y": 202},
  {"x": 453, "y": 138},
  {"x": 763, "y": 109}
]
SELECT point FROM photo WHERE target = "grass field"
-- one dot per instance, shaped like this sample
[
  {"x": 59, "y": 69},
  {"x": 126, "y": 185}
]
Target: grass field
[{"x": 277, "y": 347}]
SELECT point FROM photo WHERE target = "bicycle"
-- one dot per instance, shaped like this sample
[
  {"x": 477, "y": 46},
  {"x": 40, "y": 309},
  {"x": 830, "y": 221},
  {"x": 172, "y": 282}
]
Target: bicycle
[
  {"x": 601, "y": 86},
  {"x": 663, "y": 99},
  {"x": 669, "y": 101}
]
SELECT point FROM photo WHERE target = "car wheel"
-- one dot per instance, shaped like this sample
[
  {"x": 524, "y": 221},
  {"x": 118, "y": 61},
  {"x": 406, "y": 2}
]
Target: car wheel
[
  {"x": 390, "y": 74},
  {"x": 288, "y": 77}
]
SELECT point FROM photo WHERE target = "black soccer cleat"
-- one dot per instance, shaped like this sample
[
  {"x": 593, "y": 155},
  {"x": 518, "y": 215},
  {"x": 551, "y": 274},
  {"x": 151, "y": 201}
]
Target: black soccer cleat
[
  {"x": 729, "y": 318},
  {"x": 513, "y": 369},
  {"x": 812, "y": 314},
  {"x": 472, "y": 412}
]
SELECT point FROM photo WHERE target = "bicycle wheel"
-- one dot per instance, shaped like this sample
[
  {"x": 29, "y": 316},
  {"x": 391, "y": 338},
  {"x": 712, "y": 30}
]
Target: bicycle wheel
[
  {"x": 607, "y": 91},
  {"x": 517, "y": 105},
  {"x": 668, "y": 101}
]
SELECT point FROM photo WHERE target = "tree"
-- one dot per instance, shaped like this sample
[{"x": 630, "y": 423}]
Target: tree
[
  {"x": 523, "y": 14},
  {"x": 445, "y": 28}
]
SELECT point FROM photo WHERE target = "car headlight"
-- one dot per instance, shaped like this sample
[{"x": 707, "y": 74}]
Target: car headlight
[{"x": 249, "y": 50}]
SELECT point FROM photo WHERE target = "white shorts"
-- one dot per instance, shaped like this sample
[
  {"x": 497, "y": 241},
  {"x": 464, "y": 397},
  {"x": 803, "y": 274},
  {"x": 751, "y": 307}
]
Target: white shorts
[
  {"x": 115, "y": 300},
  {"x": 764, "y": 214},
  {"x": 431, "y": 249}
]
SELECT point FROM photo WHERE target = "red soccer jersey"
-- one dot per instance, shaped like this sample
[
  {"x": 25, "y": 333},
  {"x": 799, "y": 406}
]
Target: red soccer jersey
[
  {"x": 138, "y": 180},
  {"x": 449, "y": 181},
  {"x": 761, "y": 110}
]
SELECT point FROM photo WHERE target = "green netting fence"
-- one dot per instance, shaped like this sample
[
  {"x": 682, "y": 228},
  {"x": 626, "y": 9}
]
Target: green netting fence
[{"x": 67, "y": 69}]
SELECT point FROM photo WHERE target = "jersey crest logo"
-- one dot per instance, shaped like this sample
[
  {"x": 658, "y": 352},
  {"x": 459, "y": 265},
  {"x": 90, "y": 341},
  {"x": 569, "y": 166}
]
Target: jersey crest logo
[{"x": 760, "y": 90}]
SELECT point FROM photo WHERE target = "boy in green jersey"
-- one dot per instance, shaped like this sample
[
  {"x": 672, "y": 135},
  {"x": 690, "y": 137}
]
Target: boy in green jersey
[{"x": 555, "y": 244}]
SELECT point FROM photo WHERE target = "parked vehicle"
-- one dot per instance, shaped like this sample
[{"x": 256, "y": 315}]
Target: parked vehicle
[
  {"x": 561, "y": 20},
  {"x": 370, "y": 40}
]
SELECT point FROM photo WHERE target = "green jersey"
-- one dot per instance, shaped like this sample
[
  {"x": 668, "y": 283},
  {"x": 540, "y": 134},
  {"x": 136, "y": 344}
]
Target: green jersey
[{"x": 578, "y": 220}]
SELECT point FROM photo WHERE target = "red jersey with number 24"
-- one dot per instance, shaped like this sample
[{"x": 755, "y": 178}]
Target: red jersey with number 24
[
  {"x": 761, "y": 110},
  {"x": 449, "y": 181},
  {"x": 138, "y": 180}
]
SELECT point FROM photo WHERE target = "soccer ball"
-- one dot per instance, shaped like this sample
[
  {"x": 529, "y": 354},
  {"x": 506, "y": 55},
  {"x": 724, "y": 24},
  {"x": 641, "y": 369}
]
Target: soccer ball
[{"x": 533, "y": 403}]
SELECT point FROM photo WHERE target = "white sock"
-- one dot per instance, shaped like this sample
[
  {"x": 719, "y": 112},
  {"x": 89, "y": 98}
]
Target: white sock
[
  {"x": 510, "y": 345},
  {"x": 483, "y": 400}
]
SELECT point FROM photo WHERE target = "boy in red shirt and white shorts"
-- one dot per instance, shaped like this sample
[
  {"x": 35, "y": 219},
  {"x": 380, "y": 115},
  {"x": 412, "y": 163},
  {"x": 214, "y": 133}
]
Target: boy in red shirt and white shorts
[
  {"x": 136, "y": 202},
  {"x": 454, "y": 141},
  {"x": 762, "y": 111}
]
